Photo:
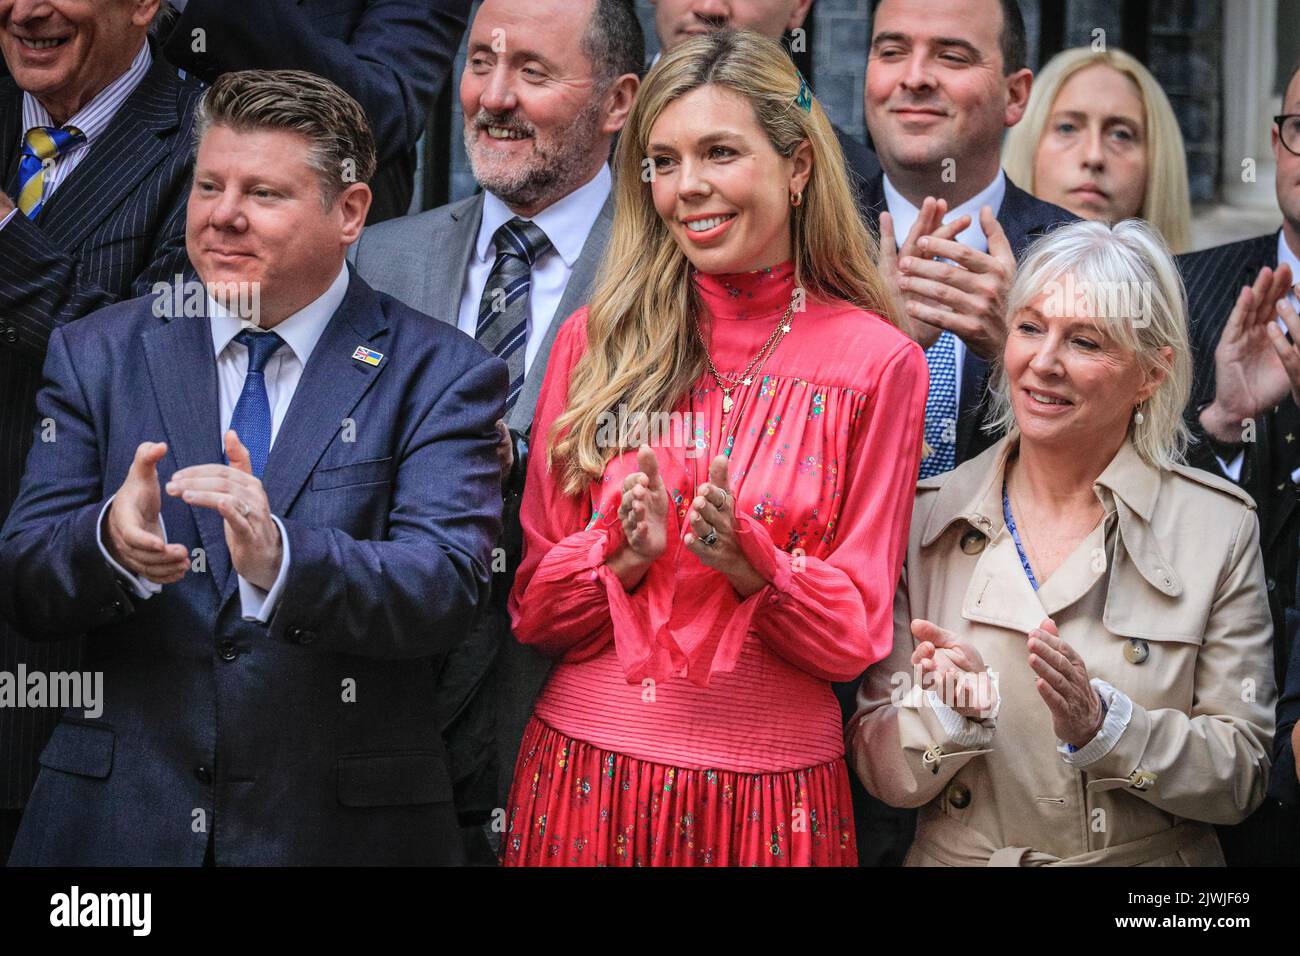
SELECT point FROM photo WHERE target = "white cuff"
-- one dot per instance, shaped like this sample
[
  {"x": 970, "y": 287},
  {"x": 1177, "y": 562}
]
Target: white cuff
[
  {"x": 1233, "y": 468},
  {"x": 1119, "y": 711},
  {"x": 12, "y": 212},
  {"x": 255, "y": 604},
  {"x": 143, "y": 588}
]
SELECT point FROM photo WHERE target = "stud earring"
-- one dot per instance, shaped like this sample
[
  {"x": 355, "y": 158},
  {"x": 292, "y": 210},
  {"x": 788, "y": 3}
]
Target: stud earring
[{"x": 796, "y": 199}]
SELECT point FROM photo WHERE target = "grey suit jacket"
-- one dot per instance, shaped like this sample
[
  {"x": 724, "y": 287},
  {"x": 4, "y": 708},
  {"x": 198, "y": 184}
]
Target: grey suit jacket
[{"x": 421, "y": 260}]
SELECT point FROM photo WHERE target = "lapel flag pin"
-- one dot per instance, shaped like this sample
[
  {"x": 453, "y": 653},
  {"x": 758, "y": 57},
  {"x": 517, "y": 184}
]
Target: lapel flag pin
[{"x": 369, "y": 356}]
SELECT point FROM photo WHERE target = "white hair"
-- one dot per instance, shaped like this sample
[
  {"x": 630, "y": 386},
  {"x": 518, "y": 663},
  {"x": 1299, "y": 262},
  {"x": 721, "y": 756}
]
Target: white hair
[{"x": 1136, "y": 295}]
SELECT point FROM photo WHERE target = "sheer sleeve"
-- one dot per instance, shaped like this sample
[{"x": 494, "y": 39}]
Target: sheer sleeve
[
  {"x": 566, "y": 602},
  {"x": 832, "y": 615}
]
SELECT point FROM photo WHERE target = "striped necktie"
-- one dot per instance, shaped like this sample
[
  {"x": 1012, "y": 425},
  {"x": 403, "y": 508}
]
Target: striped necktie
[
  {"x": 41, "y": 147},
  {"x": 941, "y": 406},
  {"x": 503, "y": 308}
]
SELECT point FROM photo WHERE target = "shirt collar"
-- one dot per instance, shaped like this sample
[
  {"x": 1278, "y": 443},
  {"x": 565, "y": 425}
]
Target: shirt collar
[
  {"x": 567, "y": 223},
  {"x": 300, "y": 331},
  {"x": 974, "y": 495},
  {"x": 1285, "y": 256},
  {"x": 93, "y": 118},
  {"x": 904, "y": 213}
]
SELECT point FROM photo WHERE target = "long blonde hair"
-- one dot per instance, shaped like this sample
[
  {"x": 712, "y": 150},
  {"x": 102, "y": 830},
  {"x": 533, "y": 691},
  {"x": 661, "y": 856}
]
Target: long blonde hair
[
  {"x": 1165, "y": 205},
  {"x": 642, "y": 349}
]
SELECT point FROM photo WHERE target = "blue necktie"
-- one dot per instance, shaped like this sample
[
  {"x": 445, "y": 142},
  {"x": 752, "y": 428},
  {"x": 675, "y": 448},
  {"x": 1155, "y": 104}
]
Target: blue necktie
[
  {"x": 941, "y": 406},
  {"x": 503, "y": 308},
  {"x": 41, "y": 145},
  {"x": 252, "y": 417}
]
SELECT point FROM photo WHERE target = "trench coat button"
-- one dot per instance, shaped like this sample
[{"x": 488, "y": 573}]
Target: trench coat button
[
  {"x": 959, "y": 795},
  {"x": 204, "y": 774},
  {"x": 1136, "y": 651},
  {"x": 228, "y": 650},
  {"x": 1272, "y": 584},
  {"x": 972, "y": 542}
]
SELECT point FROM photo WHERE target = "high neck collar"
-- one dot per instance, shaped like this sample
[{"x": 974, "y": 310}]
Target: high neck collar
[{"x": 747, "y": 295}]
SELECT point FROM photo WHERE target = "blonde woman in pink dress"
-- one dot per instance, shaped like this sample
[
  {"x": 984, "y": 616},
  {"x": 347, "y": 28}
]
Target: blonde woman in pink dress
[{"x": 702, "y": 589}]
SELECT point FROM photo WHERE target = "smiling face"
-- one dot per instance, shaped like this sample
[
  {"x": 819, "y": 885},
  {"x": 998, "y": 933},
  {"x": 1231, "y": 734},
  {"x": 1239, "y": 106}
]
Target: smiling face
[
  {"x": 536, "y": 126},
  {"x": 935, "y": 89},
  {"x": 679, "y": 20},
  {"x": 1092, "y": 158},
  {"x": 1072, "y": 385},
  {"x": 64, "y": 52},
  {"x": 719, "y": 186},
  {"x": 255, "y": 216}
]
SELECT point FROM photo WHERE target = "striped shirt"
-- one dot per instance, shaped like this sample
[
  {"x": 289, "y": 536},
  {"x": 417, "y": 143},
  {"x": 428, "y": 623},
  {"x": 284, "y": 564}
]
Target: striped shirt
[{"x": 92, "y": 119}]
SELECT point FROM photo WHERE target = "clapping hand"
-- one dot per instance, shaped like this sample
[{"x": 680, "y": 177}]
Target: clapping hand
[
  {"x": 238, "y": 496},
  {"x": 1249, "y": 368},
  {"x": 711, "y": 531},
  {"x": 966, "y": 296},
  {"x": 954, "y": 669},
  {"x": 1063, "y": 684}
]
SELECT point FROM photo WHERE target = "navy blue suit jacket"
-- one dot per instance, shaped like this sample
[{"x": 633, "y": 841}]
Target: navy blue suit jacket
[
  {"x": 393, "y": 56},
  {"x": 387, "y": 482},
  {"x": 114, "y": 227}
]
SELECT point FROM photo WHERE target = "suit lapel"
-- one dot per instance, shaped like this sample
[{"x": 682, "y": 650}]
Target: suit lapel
[
  {"x": 1024, "y": 218},
  {"x": 577, "y": 293},
  {"x": 329, "y": 390},
  {"x": 184, "y": 372},
  {"x": 448, "y": 273},
  {"x": 129, "y": 149}
]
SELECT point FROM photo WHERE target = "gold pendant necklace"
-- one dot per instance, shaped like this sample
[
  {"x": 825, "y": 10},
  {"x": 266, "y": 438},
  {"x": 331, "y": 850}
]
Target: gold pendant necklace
[{"x": 727, "y": 384}]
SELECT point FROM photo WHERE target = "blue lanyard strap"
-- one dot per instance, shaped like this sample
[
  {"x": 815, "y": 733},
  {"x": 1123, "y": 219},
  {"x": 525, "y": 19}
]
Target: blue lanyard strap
[{"x": 1015, "y": 536}]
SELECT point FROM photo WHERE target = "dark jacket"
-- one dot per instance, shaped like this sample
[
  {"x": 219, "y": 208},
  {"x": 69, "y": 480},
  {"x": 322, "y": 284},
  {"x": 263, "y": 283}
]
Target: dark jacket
[
  {"x": 393, "y": 56},
  {"x": 113, "y": 228}
]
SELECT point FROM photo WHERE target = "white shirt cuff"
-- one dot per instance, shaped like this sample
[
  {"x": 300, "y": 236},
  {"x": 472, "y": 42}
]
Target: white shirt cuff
[
  {"x": 1119, "y": 711},
  {"x": 255, "y": 604},
  {"x": 143, "y": 588},
  {"x": 966, "y": 731},
  {"x": 5, "y": 221},
  {"x": 1233, "y": 468}
]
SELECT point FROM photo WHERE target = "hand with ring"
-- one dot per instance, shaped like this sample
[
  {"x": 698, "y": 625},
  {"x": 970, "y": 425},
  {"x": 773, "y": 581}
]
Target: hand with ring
[{"x": 711, "y": 531}]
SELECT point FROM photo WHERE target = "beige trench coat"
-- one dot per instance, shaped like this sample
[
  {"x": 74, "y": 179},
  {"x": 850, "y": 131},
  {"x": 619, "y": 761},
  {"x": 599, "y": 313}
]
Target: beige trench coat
[{"x": 1165, "y": 601}]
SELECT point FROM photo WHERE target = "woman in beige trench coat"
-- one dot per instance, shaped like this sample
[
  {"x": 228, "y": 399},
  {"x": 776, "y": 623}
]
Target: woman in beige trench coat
[{"x": 1081, "y": 672}]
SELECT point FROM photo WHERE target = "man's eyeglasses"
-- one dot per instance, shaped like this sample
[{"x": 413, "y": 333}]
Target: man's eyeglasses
[{"x": 1288, "y": 131}]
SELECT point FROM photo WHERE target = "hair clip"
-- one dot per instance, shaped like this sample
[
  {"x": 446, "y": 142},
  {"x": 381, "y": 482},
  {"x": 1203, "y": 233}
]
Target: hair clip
[{"x": 805, "y": 98}]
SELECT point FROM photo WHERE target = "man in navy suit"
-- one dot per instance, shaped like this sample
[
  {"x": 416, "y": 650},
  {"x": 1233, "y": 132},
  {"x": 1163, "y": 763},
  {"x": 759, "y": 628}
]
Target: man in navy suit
[
  {"x": 266, "y": 518},
  {"x": 392, "y": 55},
  {"x": 100, "y": 220}
]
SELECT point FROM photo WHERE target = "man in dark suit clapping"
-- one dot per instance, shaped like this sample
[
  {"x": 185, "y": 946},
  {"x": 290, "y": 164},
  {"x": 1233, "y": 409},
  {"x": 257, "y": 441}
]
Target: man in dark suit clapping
[
  {"x": 95, "y": 155},
  {"x": 329, "y": 454},
  {"x": 1246, "y": 423}
]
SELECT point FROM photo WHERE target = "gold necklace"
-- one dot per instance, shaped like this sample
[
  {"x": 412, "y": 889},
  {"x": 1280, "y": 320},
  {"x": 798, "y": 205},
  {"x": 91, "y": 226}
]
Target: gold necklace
[{"x": 727, "y": 384}]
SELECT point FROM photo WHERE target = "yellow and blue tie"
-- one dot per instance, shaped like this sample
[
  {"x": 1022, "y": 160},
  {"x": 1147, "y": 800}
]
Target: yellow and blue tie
[{"x": 41, "y": 146}]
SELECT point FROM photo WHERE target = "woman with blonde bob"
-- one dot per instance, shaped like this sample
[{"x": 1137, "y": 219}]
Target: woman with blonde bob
[
  {"x": 1099, "y": 138},
  {"x": 1081, "y": 671},
  {"x": 716, "y": 517}
]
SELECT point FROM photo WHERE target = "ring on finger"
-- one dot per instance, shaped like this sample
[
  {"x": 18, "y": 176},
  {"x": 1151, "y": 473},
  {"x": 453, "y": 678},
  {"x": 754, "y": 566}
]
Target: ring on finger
[
  {"x": 711, "y": 538},
  {"x": 244, "y": 509}
]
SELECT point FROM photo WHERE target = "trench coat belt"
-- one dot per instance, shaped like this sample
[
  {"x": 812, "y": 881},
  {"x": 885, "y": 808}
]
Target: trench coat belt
[{"x": 956, "y": 844}]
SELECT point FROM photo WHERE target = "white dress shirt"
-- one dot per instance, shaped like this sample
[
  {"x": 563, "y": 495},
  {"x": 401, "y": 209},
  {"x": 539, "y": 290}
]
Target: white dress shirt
[
  {"x": 92, "y": 119},
  {"x": 904, "y": 215},
  {"x": 567, "y": 224},
  {"x": 1285, "y": 257},
  {"x": 300, "y": 331}
]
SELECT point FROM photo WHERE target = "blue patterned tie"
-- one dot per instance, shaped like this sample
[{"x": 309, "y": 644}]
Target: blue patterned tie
[
  {"x": 941, "y": 406},
  {"x": 252, "y": 417},
  {"x": 503, "y": 308},
  {"x": 41, "y": 145}
]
